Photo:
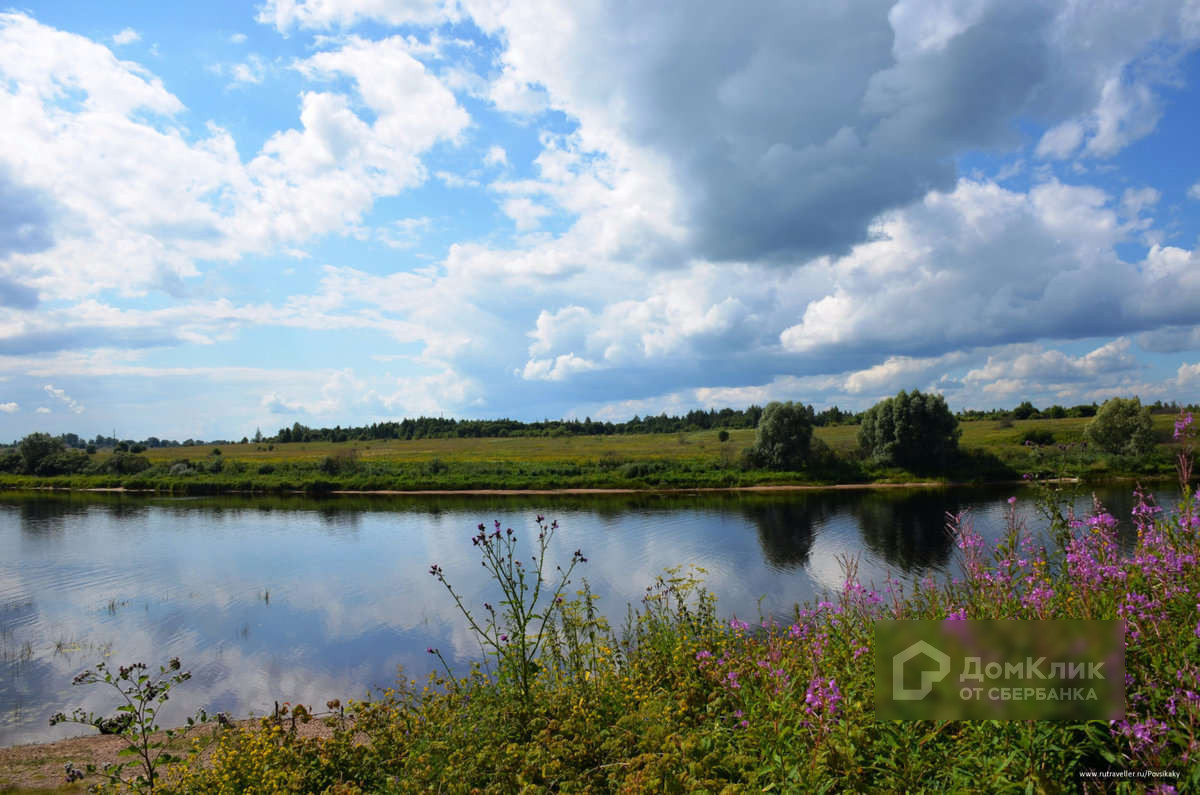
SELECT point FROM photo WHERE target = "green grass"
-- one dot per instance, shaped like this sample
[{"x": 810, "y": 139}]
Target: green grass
[{"x": 989, "y": 451}]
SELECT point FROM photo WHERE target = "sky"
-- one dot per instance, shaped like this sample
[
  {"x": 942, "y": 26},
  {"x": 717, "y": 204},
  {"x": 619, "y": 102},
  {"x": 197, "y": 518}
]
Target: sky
[{"x": 226, "y": 216}]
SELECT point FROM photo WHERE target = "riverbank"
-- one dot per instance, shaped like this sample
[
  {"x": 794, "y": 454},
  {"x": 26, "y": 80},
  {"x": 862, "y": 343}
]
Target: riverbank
[
  {"x": 707, "y": 702},
  {"x": 989, "y": 452}
]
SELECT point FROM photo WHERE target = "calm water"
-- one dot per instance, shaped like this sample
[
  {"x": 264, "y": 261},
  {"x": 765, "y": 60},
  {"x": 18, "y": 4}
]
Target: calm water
[{"x": 302, "y": 600}]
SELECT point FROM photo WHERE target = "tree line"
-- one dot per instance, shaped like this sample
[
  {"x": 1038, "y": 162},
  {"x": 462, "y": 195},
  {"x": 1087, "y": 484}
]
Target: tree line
[{"x": 695, "y": 420}]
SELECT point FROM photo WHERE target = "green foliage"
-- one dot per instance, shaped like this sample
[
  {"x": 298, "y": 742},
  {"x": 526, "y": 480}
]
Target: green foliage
[
  {"x": 1037, "y": 436},
  {"x": 11, "y": 461},
  {"x": 911, "y": 430},
  {"x": 1122, "y": 426},
  {"x": 142, "y": 695},
  {"x": 64, "y": 462},
  {"x": 37, "y": 446},
  {"x": 784, "y": 435},
  {"x": 123, "y": 464},
  {"x": 530, "y": 607},
  {"x": 1024, "y": 411}
]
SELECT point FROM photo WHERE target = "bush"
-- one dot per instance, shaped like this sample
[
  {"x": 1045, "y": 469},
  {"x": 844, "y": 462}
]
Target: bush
[
  {"x": 916, "y": 431},
  {"x": 123, "y": 464},
  {"x": 36, "y": 446},
  {"x": 11, "y": 462},
  {"x": 66, "y": 462},
  {"x": 1037, "y": 436},
  {"x": 784, "y": 436},
  {"x": 1122, "y": 426}
]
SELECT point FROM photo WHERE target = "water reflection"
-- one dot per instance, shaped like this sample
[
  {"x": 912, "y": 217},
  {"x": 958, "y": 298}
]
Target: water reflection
[
  {"x": 286, "y": 598},
  {"x": 907, "y": 529}
]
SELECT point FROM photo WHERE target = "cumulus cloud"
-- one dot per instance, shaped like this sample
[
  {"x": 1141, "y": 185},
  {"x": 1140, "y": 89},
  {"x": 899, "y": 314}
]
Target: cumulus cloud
[
  {"x": 988, "y": 266},
  {"x": 42, "y": 410},
  {"x": 791, "y": 129},
  {"x": 151, "y": 225},
  {"x": 9, "y": 408}
]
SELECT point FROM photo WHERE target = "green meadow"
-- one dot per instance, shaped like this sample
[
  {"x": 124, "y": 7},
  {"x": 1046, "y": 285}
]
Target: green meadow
[{"x": 989, "y": 450}]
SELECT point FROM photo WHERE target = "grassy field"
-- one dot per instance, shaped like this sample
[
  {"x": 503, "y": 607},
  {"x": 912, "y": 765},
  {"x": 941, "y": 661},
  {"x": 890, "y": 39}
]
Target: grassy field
[
  {"x": 1002, "y": 438},
  {"x": 989, "y": 451}
]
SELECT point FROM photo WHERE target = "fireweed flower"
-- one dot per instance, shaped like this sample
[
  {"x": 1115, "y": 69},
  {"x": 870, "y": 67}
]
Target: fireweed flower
[{"x": 1181, "y": 425}]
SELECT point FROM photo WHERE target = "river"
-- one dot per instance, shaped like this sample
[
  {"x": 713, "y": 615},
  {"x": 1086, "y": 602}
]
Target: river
[{"x": 272, "y": 599}]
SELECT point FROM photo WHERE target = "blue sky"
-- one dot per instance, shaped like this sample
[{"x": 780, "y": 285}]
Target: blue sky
[{"x": 231, "y": 216}]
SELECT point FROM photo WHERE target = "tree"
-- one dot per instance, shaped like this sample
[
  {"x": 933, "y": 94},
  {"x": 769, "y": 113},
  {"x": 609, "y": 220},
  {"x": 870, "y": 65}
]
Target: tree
[
  {"x": 1122, "y": 426},
  {"x": 1025, "y": 411},
  {"x": 38, "y": 446},
  {"x": 916, "y": 431},
  {"x": 784, "y": 435}
]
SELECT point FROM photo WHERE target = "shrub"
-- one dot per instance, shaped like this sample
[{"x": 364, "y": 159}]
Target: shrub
[
  {"x": 784, "y": 435},
  {"x": 914, "y": 430},
  {"x": 36, "y": 446},
  {"x": 343, "y": 462},
  {"x": 65, "y": 462},
  {"x": 123, "y": 464},
  {"x": 723, "y": 436},
  {"x": 11, "y": 462},
  {"x": 1122, "y": 426},
  {"x": 1037, "y": 436}
]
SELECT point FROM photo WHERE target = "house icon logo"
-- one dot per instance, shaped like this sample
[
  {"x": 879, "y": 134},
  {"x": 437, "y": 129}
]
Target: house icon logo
[{"x": 928, "y": 678}]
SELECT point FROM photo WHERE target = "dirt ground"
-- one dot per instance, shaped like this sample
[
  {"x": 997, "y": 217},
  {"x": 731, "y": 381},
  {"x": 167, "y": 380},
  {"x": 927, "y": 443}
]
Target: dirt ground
[{"x": 42, "y": 766}]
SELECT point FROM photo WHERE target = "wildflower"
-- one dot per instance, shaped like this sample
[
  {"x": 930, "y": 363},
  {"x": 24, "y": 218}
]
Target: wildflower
[
  {"x": 504, "y": 638},
  {"x": 1181, "y": 425},
  {"x": 703, "y": 654}
]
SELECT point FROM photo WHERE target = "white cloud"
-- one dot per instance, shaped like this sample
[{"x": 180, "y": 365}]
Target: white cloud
[
  {"x": 72, "y": 405},
  {"x": 496, "y": 156},
  {"x": 237, "y": 38},
  {"x": 252, "y": 71},
  {"x": 1194, "y": 191},
  {"x": 1061, "y": 141},
  {"x": 557, "y": 369},
  {"x": 42, "y": 410},
  {"x": 9, "y": 408},
  {"x": 126, "y": 36},
  {"x": 123, "y": 225},
  {"x": 526, "y": 213}
]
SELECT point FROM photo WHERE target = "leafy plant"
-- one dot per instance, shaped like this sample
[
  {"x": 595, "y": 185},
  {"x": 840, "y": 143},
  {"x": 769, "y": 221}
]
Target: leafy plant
[
  {"x": 135, "y": 720},
  {"x": 514, "y": 634}
]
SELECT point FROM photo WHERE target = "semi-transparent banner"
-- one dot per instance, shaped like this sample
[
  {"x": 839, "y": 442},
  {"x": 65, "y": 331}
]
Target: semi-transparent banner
[{"x": 1000, "y": 670}]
